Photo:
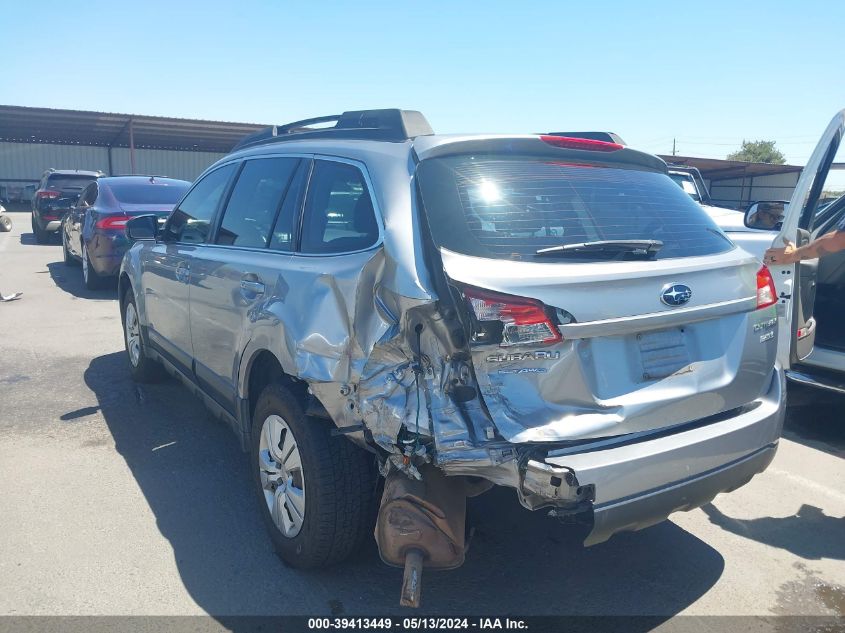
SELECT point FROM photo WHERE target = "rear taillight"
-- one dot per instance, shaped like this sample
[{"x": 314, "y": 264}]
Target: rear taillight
[
  {"x": 523, "y": 320},
  {"x": 112, "y": 222},
  {"x": 767, "y": 294},
  {"x": 47, "y": 194},
  {"x": 49, "y": 217},
  {"x": 569, "y": 142}
]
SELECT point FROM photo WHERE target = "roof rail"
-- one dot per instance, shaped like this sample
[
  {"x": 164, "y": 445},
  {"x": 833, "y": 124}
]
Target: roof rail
[
  {"x": 608, "y": 137},
  {"x": 375, "y": 125}
]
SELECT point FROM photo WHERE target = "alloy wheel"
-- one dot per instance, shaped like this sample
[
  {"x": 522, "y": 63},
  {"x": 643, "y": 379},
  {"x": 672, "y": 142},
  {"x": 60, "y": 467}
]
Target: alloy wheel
[
  {"x": 133, "y": 334},
  {"x": 85, "y": 271},
  {"x": 282, "y": 476}
]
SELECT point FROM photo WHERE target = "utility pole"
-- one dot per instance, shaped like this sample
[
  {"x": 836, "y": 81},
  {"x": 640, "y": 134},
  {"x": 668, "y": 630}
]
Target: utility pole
[{"x": 673, "y": 148}]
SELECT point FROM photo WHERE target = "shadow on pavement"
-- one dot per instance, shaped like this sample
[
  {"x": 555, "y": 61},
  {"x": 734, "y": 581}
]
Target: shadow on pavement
[
  {"x": 809, "y": 533},
  {"x": 814, "y": 418},
  {"x": 196, "y": 482},
  {"x": 28, "y": 239},
  {"x": 69, "y": 279}
]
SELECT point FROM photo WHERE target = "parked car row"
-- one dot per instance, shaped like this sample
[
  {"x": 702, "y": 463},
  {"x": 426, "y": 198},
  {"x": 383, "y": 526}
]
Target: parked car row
[
  {"x": 549, "y": 313},
  {"x": 89, "y": 211}
]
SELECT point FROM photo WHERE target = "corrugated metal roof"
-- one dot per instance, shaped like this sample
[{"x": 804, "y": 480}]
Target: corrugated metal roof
[
  {"x": 80, "y": 127},
  {"x": 717, "y": 169}
]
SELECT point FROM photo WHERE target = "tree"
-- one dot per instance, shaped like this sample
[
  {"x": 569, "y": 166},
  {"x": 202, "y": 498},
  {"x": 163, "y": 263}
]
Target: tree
[{"x": 758, "y": 152}]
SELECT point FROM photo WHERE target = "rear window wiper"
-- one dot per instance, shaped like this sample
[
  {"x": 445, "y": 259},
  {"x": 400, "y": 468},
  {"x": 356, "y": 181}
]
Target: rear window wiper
[{"x": 638, "y": 248}]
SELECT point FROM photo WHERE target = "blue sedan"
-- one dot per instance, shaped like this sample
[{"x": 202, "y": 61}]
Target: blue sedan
[{"x": 93, "y": 230}]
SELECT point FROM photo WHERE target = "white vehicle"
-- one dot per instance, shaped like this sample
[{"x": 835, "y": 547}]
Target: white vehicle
[
  {"x": 811, "y": 345},
  {"x": 5, "y": 220}
]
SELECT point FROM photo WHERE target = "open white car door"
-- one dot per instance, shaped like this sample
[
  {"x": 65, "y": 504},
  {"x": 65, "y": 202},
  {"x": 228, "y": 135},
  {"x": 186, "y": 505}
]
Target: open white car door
[{"x": 796, "y": 283}]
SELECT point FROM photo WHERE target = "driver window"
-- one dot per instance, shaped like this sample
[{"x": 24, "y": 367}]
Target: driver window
[
  {"x": 191, "y": 221},
  {"x": 255, "y": 201}
]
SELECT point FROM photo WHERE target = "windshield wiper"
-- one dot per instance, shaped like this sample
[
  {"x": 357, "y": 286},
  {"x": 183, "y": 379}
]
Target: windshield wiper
[{"x": 640, "y": 248}]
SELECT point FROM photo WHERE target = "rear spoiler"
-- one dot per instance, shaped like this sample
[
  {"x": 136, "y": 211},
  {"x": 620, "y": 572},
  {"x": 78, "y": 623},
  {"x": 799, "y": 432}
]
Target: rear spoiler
[{"x": 436, "y": 147}]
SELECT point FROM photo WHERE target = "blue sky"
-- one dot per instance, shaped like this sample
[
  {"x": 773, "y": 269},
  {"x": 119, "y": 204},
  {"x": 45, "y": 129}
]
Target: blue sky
[{"x": 706, "y": 73}]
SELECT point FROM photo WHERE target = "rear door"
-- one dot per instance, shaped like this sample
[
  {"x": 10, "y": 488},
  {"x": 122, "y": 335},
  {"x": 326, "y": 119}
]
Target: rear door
[
  {"x": 238, "y": 276},
  {"x": 796, "y": 283},
  {"x": 166, "y": 267}
]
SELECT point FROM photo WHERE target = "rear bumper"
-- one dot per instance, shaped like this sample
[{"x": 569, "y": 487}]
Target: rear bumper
[
  {"x": 49, "y": 220},
  {"x": 641, "y": 483},
  {"x": 655, "y": 506},
  {"x": 817, "y": 377}
]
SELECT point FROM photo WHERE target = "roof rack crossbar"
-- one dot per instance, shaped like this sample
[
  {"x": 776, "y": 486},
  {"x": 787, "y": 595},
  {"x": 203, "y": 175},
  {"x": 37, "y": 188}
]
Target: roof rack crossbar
[{"x": 377, "y": 125}]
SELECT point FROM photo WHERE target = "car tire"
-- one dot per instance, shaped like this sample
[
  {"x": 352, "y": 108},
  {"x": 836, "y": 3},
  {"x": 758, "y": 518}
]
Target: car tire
[
  {"x": 92, "y": 280},
  {"x": 334, "y": 484},
  {"x": 142, "y": 368},
  {"x": 5, "y": 224},
  {"x": 70, "y": 260},
  {"x": 41, "y": 237}
]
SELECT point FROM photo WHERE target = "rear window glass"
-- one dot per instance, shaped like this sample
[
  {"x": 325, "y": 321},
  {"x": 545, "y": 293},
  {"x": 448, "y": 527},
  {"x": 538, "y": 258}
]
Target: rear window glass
[
  {"x": 509, "y": 208},
  {"x": 62, "y": 182},
  {"x": 149, "y": 193}
]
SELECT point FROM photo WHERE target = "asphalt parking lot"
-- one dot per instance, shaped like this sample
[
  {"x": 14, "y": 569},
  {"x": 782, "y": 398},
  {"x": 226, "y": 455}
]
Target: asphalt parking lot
[{"x": 119, "y": 499}]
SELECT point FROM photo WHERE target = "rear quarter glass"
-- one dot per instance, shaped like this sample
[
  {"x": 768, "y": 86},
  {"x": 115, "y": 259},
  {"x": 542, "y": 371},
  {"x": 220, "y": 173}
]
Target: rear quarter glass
[{"x": 509, "y": 207}]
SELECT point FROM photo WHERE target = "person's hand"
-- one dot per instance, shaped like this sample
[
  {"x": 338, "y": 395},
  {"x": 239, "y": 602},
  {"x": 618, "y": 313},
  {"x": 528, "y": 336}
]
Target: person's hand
[{"x": 781, "y": 256}]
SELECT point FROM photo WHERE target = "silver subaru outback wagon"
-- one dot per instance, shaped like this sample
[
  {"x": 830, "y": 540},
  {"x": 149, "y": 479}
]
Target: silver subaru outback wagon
[{"x": 543, "y": 312}]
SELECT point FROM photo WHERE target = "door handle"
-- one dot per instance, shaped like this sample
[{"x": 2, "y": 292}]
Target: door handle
[{"x": 252, "y": 285}]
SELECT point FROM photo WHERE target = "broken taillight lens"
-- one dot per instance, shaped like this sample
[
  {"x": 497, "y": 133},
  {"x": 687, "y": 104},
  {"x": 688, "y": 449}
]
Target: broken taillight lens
[
  {"x": 767, "y": 294},
  {"x": 524, "y": 321}
]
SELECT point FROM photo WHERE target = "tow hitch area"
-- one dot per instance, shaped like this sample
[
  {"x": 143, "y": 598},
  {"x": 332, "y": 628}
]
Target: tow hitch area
[
  {"x": 421, "y": 524},
  {"x": 546, "y": 485}
]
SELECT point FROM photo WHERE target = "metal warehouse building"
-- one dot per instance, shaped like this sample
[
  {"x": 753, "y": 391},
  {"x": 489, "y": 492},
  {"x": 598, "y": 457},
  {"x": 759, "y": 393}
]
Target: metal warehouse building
[{"x": 35, "y": 139}]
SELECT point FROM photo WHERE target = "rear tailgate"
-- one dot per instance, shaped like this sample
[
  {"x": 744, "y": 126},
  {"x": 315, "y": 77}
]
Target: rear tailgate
[
  {"x": 68, "y": 187},
  {"x": 627, "y": 363}
]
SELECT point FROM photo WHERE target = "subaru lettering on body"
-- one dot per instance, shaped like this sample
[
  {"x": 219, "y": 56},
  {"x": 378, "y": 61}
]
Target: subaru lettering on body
[{"x": 517, "y": 356}]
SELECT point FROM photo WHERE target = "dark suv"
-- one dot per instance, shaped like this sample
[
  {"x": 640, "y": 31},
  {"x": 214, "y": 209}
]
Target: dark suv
[{"x": 57, "y": 192}]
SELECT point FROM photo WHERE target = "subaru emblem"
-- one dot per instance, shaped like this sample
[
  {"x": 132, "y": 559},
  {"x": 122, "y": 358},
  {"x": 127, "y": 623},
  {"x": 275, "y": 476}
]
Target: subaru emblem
[{"x": 675, "y": 295}]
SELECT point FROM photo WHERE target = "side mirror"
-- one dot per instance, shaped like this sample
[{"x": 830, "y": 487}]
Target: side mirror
[
  {"x": 142, "y": 227},
  {"x": 765, "y": 216}
]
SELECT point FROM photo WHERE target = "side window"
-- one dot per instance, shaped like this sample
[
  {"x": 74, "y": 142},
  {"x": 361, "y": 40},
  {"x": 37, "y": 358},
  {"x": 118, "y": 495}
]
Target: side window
[
  {"x": 190, "y": 222},
  {"x": 339, "y": 215},
  {"x": 254, "y": 202},
  {"x": 282, "y": 236},
  {"x": 89, "y": 195}
]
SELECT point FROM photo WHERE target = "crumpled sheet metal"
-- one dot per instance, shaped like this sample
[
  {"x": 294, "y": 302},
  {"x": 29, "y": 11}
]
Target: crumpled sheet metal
[{"x": 356, "y": 347}]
